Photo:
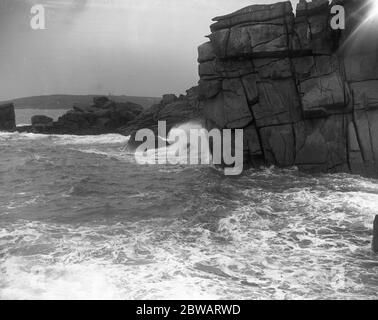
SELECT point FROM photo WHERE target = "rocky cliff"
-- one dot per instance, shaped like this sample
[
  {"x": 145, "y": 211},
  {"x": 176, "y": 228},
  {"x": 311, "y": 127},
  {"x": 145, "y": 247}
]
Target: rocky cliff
[
  {"x": 7, "y": 117},
  {"x": 305, "y": 94}
]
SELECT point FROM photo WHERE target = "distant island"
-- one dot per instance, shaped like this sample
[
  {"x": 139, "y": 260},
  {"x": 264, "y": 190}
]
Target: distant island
[{"x": 62, "y": 101}]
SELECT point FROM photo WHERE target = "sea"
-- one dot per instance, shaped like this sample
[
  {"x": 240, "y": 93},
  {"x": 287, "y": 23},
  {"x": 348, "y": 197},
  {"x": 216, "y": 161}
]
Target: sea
[{"x": 81, "y": 219}]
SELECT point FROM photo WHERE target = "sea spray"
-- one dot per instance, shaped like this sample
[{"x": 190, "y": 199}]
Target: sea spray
[{"x": 189, "y": 144}]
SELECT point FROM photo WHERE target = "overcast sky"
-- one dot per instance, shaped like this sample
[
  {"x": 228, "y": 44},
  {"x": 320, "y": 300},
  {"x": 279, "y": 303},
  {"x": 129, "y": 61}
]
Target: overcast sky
[{"x": 131, "y": 47}]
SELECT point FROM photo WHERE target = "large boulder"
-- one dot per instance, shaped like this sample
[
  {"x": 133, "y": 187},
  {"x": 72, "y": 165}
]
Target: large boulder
[
  {"x": 257, "y": 30},
  {"x": 254, "y": 14},
  {"x": 41, "y": 120},
  {"x": 42, "y": 124},
  {"x": 7, "y": 117}
]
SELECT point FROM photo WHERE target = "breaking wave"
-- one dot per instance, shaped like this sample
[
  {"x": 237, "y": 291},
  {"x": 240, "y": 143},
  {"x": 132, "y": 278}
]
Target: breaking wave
[{"x": 179, "y": 148}]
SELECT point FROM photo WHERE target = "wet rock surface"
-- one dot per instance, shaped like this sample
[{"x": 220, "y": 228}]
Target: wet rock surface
[{"x": 305, "y": 94}]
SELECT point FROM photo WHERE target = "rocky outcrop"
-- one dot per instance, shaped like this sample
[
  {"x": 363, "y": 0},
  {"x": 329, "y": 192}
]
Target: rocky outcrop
[
  {"x": 41, "y": 120},
  {"x": 104, "y": 116},
  {"x": 7, "y": 117},
  {"x": 305, "y": 94},
  {"x": 171, "y": 109},
  {"x": 42, "y": 123}
]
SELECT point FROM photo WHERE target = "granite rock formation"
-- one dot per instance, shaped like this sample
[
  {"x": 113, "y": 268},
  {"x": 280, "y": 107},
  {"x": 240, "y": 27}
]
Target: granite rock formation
[
  {"x": 104, "y": 116},
  {"x": 306, "y": 95},
  {"x": 7, "y": 117},
  {"x": 172, "y": 109}
]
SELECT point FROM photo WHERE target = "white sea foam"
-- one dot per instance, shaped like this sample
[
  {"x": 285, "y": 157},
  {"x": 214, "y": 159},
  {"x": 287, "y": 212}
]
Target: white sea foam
[
  {"x": 115, "y": 153},
  {"x": 189, "y": 153},
  {"x": 268, "y": 234},
  {"x": 66, "y": 139},
  {"x": 128, "y": 265},
  {"x": 35, "y": 280},
  {"x": 6, "y": 136},
  {"x": 89, "y": 140}
]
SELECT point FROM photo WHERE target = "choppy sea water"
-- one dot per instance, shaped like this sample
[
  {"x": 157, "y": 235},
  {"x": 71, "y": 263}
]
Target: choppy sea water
[{"x": 80, "y": 219}]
